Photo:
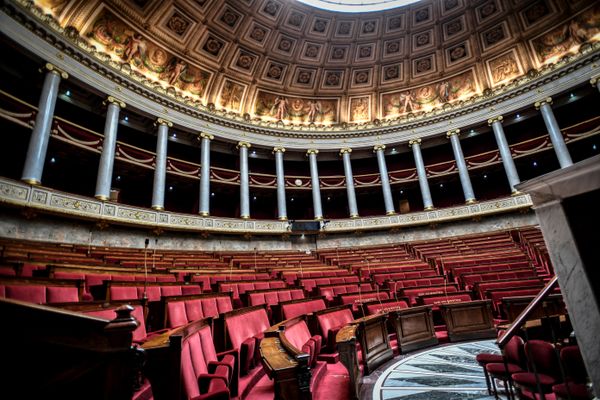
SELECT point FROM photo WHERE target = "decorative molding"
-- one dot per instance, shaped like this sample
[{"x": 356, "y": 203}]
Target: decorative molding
[
  {"x": 499, "y": 118},
  {"x": 62, "y": 47},
  {"x": 20, "y": 194},
  {"x": 539, "y": 104}
]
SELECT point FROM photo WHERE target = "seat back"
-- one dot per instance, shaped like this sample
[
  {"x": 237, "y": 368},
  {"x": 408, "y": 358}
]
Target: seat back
[
  {"x": 514, "y": 351},
  {"x": 197, "y": 350},
  {"x": 542, "y": 357},
  {"x": 573, "y": 365}
]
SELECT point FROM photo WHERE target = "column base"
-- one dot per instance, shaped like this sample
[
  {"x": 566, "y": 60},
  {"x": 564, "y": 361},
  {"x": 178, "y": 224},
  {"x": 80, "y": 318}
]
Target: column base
[
  {"x": 516, "y": 193},
  {"x": 430, "y": 208},
  {"x": 158, "y": 208},
  {"x": 354, "y": 216},
  {"x": 101, "y": 197},
  {"x": 470, "y": 201},
  {"x": 31, "y": 181},
  {"x": 319, "y": 218},
  {"x": 283, "y": 218},
  {"x": 203, "y": 213},
  {"x": 245, "y": 217},
  {"x": 390, "y": 213}
]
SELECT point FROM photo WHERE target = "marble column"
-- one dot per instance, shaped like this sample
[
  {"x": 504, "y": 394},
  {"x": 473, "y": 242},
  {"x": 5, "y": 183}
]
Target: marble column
[
  {"x": 509, "y": 165},
  {"x": 352, "y": 206},
  {"x": 415, "y": 144},
  {"x": 160, "y": 168},
  {"x": 385, "y": 180},
  {"x": 558, "y": 142},
  {"x": 281, "y": 204},
  {"x": 107, "y": 158},
  {"x": 204, "y": 209},
  {"x": 40, "y": 136},
  {"x": 314, "y": 180},
  {"x": 463, "y": 172},
  {"x": 595, "y": 81},
  {"x": 244, "y": 180}
]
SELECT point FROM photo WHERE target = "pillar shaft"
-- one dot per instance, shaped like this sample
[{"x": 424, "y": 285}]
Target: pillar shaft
[
  {"x": 281, "y": 203},
  {"x": 244, "y": 181},
  {"x": 40, "y": 136},
  {"x": 160, "y": 169},
  {"x": 107, "y": 158},
  {"x": 463, "y": 172},
  {"x": 509, "y": 165},
  {"x": 352, "y": 206},
  {"x": 385, "y": 180},
  {"x": 558, "y": 142},
  {"x": 422, "y": 174},
  {"x": 314, "y": 179},
  {"x": 204, "y": 208}
]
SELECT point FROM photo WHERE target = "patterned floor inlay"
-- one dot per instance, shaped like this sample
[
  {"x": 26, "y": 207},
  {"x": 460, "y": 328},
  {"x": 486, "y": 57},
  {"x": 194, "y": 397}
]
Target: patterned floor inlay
[{"x": 443, "y": 373}]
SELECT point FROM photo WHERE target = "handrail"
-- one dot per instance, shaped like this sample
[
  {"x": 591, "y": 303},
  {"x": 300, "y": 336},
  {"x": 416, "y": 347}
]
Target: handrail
[{"x": 520, "y": 320}]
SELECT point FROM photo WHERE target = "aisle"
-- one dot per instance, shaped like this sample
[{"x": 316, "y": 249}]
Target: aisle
[{"x": 443, "y": 373}]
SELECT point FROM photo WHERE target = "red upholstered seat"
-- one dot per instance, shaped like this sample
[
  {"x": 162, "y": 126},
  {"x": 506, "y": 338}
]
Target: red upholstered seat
[
  {"x": 542, "y": 358},
  {"x": 331, "y": 322},
  {"x": 201, "y": 368},
  {"x": 292, "y": 310},
  {"x": 573, "y": 391},
  {"x": 513, "y": 361},
  {"x": 244, "y": 330},
  {"x": 140, "y": 334}
]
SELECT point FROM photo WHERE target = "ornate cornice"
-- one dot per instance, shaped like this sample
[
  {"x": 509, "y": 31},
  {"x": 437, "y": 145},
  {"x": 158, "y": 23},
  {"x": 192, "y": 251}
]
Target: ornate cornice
[
  {"x": 64, "y": 47},
  {"x": 41, "y": 199}
]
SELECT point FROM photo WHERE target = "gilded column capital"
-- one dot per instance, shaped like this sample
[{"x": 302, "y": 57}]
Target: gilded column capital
[
  {"x": 243, "y": 144},
  {"x": 539, "y": 104},
  {"x": 594, "y": 80},
  {"x": 113, "y": 100},
  {"x": 345, "y": 150},
  {"x": 414, "y": 141},
  {"x": 453, "y": 132},
  {"x": 499, "y": 118},
  {"x": 204, "y": 135},
  {"x": 162, "y": 121},
  {"x": 278, "y": 149},
  {"x": 49, "y": 67},
  {"x": 378, "y": 147},
  {"x": 312, "y": 151}
]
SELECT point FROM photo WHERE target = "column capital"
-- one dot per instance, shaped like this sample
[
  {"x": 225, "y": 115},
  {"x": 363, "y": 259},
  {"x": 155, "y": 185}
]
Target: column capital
[
  {"x": 162, "y": 121},
  {"x": 345, "y": 150},
  {"x": 204, "y": 135},
  {"x": 414, "y": 141},
  {"x": 378, "y": 147},
  {"x": 243, "y": 144},
  {"x": 539, "y": 104},
  {"x": 453, "y": 132},
  {"x": 594, "y": 80},
  {"x": 278, "y": 149},
  {"x": 499, "y": 118},
  {"x": 49, "y": 67},
  {"x": 111, "y": 99},
  {"x": 312, "y": 151}
]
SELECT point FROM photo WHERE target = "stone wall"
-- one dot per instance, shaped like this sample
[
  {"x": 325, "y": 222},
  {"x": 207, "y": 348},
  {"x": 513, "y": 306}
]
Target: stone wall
[{"x": 54, "y": 229}]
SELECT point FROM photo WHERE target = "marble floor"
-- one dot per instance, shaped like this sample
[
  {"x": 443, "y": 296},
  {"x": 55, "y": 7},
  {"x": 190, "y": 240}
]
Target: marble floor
[{"x": 443, "y": 373}]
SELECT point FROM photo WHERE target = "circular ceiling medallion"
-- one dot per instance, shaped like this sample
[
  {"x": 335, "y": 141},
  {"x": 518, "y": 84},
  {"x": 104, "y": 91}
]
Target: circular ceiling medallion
[{"x": 357, "y": 5}]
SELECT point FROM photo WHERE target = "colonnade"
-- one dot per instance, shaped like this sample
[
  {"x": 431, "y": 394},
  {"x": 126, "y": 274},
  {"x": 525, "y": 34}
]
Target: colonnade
[{"x": 38, "y": 145}]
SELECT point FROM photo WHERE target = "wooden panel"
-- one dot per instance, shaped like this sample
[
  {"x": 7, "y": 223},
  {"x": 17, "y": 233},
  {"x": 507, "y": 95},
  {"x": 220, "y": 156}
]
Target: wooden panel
[
  {"x": 414, "y": 328},
  {"x": 469, "y": 320},
  {"x": 552, "y": 305}
]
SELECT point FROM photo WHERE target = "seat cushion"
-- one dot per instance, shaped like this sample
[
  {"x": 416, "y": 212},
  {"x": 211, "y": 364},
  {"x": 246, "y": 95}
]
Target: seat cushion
[
  {"x": 488, "y": 358},
  {"x": 576, "y": 391},
  {"x": 528, "y": 379},
  {"x": 499, "y": 369}
]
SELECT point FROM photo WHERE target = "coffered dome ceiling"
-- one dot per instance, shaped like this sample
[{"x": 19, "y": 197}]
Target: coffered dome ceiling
[{"x": 284, "y": 60}]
